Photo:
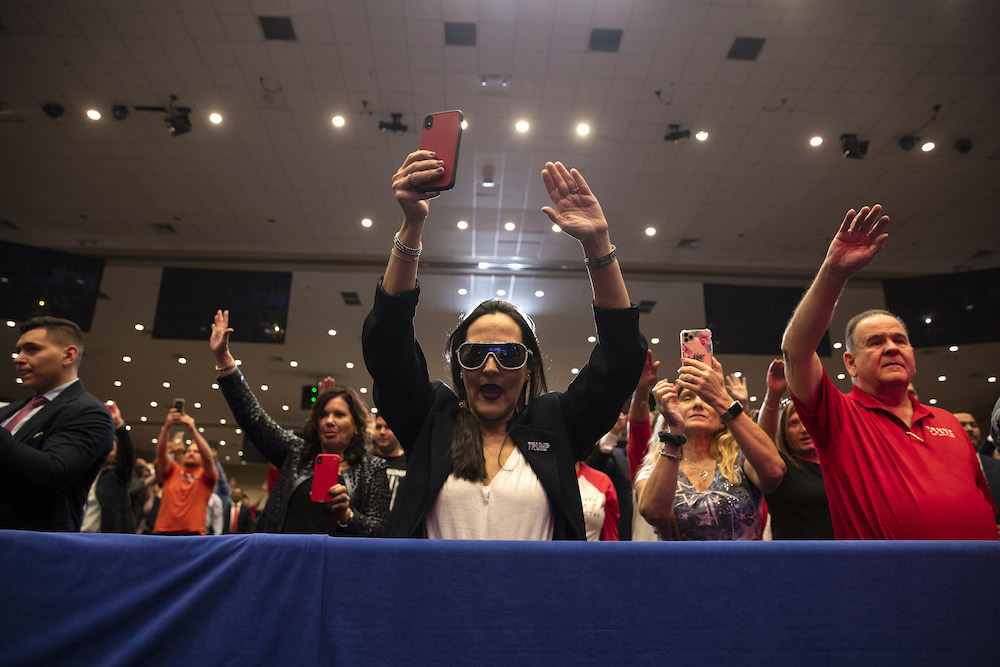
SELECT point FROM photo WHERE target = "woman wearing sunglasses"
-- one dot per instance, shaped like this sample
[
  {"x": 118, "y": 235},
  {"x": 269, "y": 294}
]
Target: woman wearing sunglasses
[{"x": 494, "y": 456}]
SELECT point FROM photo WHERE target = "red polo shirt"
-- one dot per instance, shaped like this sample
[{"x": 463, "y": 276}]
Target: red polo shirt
[{"x": 885, "y": 481}]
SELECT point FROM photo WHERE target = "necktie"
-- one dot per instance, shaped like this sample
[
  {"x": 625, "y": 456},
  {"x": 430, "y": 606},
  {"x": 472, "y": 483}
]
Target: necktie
[
  {"x": 24, "y": 412},
  {"x": 236, "y": 517}
]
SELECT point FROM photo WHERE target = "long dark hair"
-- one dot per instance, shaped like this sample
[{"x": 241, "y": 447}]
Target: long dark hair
[
  {"x": 355, "y": 450},
  {"x": 466, "y": 438}
]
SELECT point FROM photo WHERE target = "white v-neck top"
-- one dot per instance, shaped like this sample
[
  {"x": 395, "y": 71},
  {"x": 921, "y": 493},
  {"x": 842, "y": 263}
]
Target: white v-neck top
[{"x": 512, "y": 507}]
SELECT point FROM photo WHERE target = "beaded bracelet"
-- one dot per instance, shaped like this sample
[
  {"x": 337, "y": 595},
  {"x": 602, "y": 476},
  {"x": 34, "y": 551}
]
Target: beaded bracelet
[{"x": 406, "y": 250}]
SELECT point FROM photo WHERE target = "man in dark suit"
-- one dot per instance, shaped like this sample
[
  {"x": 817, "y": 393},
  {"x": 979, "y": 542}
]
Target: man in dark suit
[
  {"x": 239, "y": 516},
  {"x": 53, "y": 446}
]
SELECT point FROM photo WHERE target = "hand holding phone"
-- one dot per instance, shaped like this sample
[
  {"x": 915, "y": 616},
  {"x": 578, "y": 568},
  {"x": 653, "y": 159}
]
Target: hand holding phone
[
  {"x": 697, "y": 344},
  {"x": 442, "y": 134},
  {"x": 179, "y": 404},
  {"x": 325, "y": 474}
]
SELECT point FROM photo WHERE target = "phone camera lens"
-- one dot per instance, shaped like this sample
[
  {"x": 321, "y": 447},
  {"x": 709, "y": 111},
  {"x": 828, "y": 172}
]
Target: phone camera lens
[{"x": 428, "y": 122}]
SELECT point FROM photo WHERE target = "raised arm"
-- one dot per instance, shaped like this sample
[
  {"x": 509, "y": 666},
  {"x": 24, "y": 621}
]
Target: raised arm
[
  {"x": 401, "y": 271},
  {"x": 776, "y": 388},
  {"x": 638, "y": 415},
  {"x": 861, "y": 236},
  {"x": 577, "y": 212},
  {"x": 162, "y": 455},
  {"x": 656, "y": 493},
  {"x": 210, "y": 474}
]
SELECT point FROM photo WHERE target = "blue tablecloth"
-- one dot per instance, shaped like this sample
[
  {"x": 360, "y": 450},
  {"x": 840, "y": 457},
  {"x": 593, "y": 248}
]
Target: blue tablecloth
[{"x": 277, "y": 599}]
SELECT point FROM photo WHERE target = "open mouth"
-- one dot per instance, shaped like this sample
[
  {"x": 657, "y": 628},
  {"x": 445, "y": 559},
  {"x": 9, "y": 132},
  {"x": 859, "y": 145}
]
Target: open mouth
[{"x": 491, "y": 392}]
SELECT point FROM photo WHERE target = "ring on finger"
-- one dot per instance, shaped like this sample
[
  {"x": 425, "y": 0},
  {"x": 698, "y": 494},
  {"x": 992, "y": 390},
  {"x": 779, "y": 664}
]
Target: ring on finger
[
  {"x": 409, "y": 180},
  {"x": 575, "y": 191}
]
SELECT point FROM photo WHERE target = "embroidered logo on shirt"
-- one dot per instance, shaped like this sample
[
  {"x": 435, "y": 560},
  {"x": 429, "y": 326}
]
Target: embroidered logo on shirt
[
  {"x": 941, "y": 432},
  {"x": 538, "y": 446}
]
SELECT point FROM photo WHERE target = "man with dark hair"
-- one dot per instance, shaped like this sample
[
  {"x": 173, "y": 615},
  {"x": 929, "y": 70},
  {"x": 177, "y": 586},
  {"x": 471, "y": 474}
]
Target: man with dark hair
[
  {"x": 893, "y": 467},
  {"x": 388, "y": 447},
  {"x": 52, "y": 446}
]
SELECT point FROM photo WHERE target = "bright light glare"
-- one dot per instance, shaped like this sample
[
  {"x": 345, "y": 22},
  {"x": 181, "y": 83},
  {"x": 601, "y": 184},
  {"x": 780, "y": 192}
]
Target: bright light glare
[
  {"x": 816, "y": 141},
  {"x": 929, "y": 146},
  {"x": 93, "y": 114},
  {"x": 338, "y": 121},
  {"x": 216, "y": 118},
  {"x": 367, "y": 222},
  {"x": 650, "y": 231},
  {"x": 583, "y": 129},
  {"x": 509, "y": 226},
  {"x": 462, "y": 224},
  {"x": 701, "y": 136},
  {"x": 522, "y": 126}
]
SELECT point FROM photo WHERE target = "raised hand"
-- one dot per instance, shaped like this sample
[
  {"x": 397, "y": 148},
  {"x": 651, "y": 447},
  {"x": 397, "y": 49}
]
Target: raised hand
[
  {"x": 219, "y": 340},
  {"x": 116, "y": 414},
  {"x": 574, "y": 208},
  {"x": 706, "y": 381},
  {"x": 648, "y": 376},
  {"x": 861, "y": 236},
  {"x": 419, "y": 167},
  {"x": 776, "y": 384},
  {"x": 665, "y": 395},
  {"x": 325, "y": 385},
  {"x": 737, "y": 387}
]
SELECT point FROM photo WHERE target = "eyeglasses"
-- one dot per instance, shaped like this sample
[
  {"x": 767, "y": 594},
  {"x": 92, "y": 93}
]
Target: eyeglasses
[{"x": 472, "y": 356}]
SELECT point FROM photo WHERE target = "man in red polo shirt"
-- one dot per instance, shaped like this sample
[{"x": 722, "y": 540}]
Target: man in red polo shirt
[{"x": 893, "y": 468}]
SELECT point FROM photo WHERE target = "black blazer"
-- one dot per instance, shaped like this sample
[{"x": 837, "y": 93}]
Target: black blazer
[
  {"x": 553, "y": 432},
  {"x": 244, "y": 523},
  {"x": 47, "y": 468}
]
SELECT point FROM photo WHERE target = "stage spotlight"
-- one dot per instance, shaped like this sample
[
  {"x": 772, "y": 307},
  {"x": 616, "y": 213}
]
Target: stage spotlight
[
  {"x": 119, "y": 112},
  {"x": 53, "y": 110},
  {"x": 963, "y": 145},
  {"x": 178, "y": 122},
  {"x": 908, "y": 142},
  {"x": 852, "y": 147}
]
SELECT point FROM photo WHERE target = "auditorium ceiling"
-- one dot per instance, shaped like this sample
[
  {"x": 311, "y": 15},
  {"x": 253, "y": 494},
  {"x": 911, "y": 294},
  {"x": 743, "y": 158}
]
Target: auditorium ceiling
[{"x": 277, "y": 186}]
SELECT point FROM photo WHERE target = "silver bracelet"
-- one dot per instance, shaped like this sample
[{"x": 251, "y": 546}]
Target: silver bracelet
[
  {"x": 406, "y": 250},
  {"x": 594, "y": 262},
  {"x": 219, "y": 369},
  {"x": 665, "y": 454}
]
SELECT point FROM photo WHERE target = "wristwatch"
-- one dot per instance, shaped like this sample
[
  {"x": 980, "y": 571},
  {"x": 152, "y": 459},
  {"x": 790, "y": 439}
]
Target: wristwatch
[{"x": 734, "y": 411}]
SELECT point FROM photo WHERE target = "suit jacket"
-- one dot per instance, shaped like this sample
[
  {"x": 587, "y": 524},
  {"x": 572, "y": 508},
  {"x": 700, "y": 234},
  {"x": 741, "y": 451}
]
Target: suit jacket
[
  {"x": 244, "y": 523},
  {"x": 46, "y": 469},
  {"x": 551, "y": 434}
]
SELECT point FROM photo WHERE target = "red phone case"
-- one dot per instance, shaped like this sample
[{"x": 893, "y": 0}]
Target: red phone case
[
  {"x": 697, "y": 344},
  {"x": 444, "y": 137},
  {"x": 325, "y": 474}
]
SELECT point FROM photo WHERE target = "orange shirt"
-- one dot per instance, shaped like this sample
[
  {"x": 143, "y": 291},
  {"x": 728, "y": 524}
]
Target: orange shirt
[{"x": 184, "y": 504}]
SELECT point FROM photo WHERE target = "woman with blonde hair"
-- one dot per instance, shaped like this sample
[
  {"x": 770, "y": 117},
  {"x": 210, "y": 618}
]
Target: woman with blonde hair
[{"x": 707, "y": 479}]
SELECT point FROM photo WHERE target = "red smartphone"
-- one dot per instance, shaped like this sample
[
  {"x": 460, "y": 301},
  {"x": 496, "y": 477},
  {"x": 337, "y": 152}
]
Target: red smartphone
[
  {"x": 697, "y": 344},
  {"x": 325, "y": 474},
  {"x": 442, "y": 133}
]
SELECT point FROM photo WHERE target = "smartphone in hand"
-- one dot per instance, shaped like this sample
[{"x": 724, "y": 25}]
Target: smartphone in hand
[
  {"x": 697, "y": 344},
  {"x": 179, "y": 404},
  {"x": 325, "y": 474},
  {"x": 442, "y": 133}
]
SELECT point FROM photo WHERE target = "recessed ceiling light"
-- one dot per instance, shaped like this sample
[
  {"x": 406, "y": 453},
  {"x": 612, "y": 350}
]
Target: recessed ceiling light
[
  {"x": 367, "y": 222},
  {"x": 501, "y": 292},
  {"x": 539, "y": 293},
  {"x": 953, "y": 348},
  {"x": 332, "y": 332},
  {"x": 929, "y": 146},
  {"x": 522, "y": 126},
  {"x": 285, "y": 408},
  {"x": 127, "y": 359},
  {"x": 650, "y": 231},
  {"x": 222, "y": 421},
  {"x": 166, "y": 385},
  {"x": 93, "y": 114},
  {"x": 118, "y": 383},
  {"x": 198, "y": 405},
  {"x": 216, "y": 118},
  {"x": 374, "y": 410},
  {"x": 182, "y": 360},
  {"x": 942, "y": 378},
  {"x": 142, "y": 418},
  {"x": 465, "y": 125},
  {"x": 574, "y": 371},
  {"x": 841, "y": 376},
  {"x": 152, "y": 404},
  {"x": 215, "y": 385},
  {"x": 363, "y": 390},
  {"x": 556, "y": 228},
  {"x": 510, "y": 226},
  {"x": 11, "y": 323},
  {"x": 738, "y": 374},
  {"x": 293, "y": 364},
  {"x": 837, "y": 346},
  {"x": 701, "y": 135},
  {"x": 139, "y": 327},
  {"x": 591, "y": 339},
  {"x": 816, "y": 141},
  {"x": 654, "y": 341},
  {"x": 463, "y": 291},
  {"x": 933, "y": 401},
  {"x": 338, "y": 121},
  {"x": 992, "y": 378},
  {"x": 583, "y": 129},
  {"x": 350, "y": 364},
  {"x": 483, "y": 265},
  {"x": 515, "y": 266},
  {"x": 462, "y": 224},
  {"x": 263, "y": 387}
]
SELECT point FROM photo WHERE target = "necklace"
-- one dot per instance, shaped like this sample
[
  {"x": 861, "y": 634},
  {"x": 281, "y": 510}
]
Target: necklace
[{"x": 702, "y": 471}]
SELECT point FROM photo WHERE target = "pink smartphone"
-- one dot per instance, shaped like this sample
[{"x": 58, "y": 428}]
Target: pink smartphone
[
  {"x": 325, "y": 474},
  {"x": 697, "y": 344},
  {"x": 442, "y": 133}
]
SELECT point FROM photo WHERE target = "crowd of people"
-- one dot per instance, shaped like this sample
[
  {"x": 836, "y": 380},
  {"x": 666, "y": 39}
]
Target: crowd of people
[{"x": 622, "y": 453}]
